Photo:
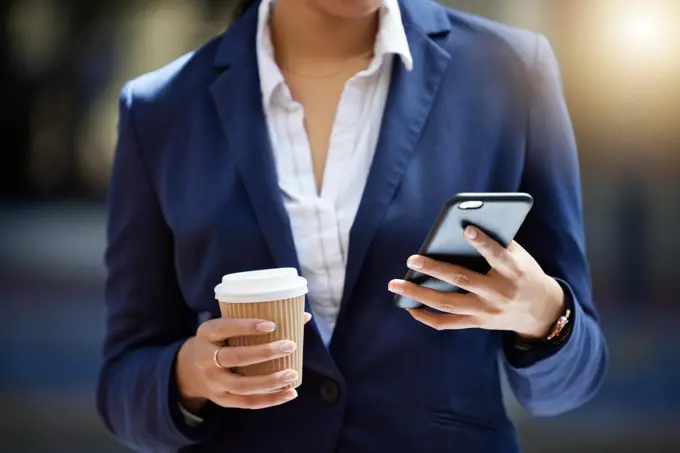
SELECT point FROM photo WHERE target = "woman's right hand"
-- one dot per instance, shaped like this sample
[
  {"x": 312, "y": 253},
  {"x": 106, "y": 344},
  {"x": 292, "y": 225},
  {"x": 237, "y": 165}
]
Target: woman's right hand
[{"x": 200, "y": 380}]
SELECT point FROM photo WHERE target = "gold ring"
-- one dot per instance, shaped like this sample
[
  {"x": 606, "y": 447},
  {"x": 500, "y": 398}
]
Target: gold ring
[{"x": 216, "y": 360}]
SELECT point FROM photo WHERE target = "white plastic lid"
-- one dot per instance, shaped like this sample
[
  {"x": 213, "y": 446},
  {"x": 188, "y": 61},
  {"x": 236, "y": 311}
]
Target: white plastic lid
[{"x": 261, "y": 286}]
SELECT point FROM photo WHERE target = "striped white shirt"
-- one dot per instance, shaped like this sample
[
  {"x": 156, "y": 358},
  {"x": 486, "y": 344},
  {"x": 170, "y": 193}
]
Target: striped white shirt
[{"x": 321, "y": 220}]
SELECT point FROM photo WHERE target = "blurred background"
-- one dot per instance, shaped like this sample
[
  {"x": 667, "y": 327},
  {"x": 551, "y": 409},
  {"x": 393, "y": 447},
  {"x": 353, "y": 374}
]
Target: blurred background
[{"x": 62, "y": 65}]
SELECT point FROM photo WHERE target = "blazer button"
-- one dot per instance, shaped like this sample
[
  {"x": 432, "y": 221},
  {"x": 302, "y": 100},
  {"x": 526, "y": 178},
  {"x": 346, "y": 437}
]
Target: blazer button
[{"x": 330, "y": 391}]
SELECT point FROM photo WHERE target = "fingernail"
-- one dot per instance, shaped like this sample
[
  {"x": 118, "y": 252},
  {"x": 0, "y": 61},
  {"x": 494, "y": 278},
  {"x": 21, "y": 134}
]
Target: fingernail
[
  {"x": 291, "y": 395},
  {"x": 265, "y": 327},
  {"x": 416, "y": 262},
  {"x": 290, "y": 376},
  {"x": 287, "y": 347},
  {"x": 396, "y": 286},
  {"x": 471, "y": 232}
]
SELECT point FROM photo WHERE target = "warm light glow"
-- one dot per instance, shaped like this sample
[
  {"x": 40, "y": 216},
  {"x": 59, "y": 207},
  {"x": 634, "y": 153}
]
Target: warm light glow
[{"x": 643, "y": 32}]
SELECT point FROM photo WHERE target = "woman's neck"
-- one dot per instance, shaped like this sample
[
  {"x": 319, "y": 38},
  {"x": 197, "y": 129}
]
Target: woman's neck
[{"x": 300, "y": 31}]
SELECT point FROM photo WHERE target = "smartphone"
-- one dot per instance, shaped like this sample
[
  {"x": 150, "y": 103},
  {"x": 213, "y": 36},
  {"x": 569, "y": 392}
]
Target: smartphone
[{"x": 499, "y": 215}]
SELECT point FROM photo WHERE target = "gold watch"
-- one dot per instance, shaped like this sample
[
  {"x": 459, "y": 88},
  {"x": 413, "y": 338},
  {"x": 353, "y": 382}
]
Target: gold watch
[{"x": 559, "y": 325}]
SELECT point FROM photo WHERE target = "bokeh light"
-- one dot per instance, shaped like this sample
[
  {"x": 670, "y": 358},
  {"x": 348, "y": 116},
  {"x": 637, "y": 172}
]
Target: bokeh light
[{"x": 644, "y": 31}]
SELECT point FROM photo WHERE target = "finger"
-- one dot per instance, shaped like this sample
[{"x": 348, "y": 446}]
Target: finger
[
  {"x": 459, "y": 276},
  {"x": 235, "y": 356},
  {"x": 307, "y": 318},
  {"x": 255, "y": 385},
  {"x": 258, "y": 401},
  {"x": 440, "y": 321},
  {"x": 495, "y": 254},
  {"x": 218, "y": 330},
  {"x": 516, "y": 249},
  {"x": 462, "y": 304}
]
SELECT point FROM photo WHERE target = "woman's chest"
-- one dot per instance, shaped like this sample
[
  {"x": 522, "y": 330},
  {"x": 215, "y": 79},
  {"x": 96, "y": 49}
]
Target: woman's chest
[{"x": 220, "y": 193}]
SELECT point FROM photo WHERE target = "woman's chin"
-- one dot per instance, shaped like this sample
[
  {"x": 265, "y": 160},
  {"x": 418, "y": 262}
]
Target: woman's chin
[{"x": 348, "y": 9}]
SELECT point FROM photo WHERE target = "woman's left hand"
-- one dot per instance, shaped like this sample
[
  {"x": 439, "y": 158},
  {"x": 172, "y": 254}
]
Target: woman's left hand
[{"x": 516, "y": 295}]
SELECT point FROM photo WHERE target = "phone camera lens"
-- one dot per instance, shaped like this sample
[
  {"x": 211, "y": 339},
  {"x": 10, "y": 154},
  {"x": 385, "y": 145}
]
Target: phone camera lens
[{"x": 470, "y": 205}]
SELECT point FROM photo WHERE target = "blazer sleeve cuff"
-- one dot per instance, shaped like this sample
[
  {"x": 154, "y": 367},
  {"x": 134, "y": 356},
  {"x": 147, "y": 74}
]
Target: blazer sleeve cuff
[
  {"x": 187, "y": 433},
  {"x": 191, "y": 420},
  {"x": 544, "y": 358}
]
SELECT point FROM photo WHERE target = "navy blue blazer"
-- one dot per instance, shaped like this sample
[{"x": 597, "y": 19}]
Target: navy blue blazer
[{"x": 194, "y": 196}]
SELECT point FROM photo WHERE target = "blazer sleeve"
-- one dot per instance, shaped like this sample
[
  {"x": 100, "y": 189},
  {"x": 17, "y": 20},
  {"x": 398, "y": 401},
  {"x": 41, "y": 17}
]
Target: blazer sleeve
[
  {"x": 147, "y": 319},
  {"x": 549, "y": 380}
]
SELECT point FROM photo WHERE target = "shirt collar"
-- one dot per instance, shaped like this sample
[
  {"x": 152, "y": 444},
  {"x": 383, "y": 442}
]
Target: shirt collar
[{"x": 390, "y": 40}]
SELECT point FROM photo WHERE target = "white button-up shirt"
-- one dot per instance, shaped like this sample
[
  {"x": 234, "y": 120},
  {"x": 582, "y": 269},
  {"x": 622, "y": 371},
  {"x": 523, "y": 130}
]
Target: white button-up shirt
[{"x": 321, "y": 220}]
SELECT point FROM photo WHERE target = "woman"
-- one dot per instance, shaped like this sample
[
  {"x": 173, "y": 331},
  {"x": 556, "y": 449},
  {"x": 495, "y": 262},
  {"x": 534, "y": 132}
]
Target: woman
[{"x": 326, "y": 136}]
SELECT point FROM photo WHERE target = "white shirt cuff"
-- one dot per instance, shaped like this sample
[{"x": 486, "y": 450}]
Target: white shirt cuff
[{"x": 190, "y": 419}]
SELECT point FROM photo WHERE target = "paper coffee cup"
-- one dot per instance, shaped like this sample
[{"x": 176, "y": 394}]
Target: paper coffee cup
[{"x": 276, "y": 295}]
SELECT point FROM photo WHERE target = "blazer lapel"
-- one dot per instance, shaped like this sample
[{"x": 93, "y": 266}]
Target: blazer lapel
[
  {"x": 238, "y": 100},
  {"x": 409, "y": 102}
]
